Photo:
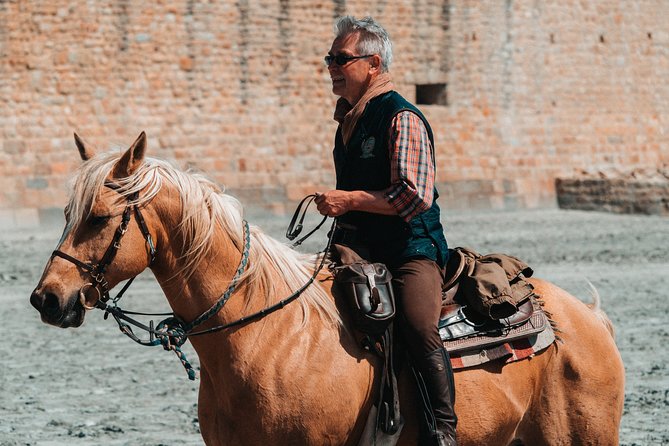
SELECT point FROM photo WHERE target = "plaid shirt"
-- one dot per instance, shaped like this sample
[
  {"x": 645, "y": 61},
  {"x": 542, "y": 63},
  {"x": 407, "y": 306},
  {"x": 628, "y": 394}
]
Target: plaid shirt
[{"x": 411, "y": 168}]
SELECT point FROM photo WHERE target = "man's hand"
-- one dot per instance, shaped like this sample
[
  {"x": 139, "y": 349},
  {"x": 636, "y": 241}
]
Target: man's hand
[{"x": 333, "y": 203}]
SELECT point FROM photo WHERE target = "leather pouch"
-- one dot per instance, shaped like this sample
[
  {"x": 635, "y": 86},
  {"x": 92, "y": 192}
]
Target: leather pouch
[{"x": 369, "y": 292}]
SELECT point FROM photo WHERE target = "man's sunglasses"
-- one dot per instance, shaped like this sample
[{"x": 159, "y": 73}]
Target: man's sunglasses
[{"x": 342, "y": 59}]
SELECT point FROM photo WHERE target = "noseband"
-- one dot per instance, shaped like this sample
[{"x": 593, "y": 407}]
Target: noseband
[{"x": 97, "y": 271}]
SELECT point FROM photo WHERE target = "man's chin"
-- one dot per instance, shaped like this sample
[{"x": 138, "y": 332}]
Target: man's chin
[{"x": 338, "y": 88}]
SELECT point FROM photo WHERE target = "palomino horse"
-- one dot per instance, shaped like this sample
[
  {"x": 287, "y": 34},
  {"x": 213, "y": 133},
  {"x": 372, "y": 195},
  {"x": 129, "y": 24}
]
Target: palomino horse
[{"x": 297, "y": 376}]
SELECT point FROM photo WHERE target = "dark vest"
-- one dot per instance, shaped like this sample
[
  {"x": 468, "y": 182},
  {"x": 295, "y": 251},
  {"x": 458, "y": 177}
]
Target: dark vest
[{"x": 365, "y": 165}]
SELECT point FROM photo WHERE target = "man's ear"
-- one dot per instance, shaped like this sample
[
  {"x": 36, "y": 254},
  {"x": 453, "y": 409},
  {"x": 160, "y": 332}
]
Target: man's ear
[
  {"x": 84, "y": 152},
  {"x": 375, "y": 64},
  {"x": 131, "y": 159}
]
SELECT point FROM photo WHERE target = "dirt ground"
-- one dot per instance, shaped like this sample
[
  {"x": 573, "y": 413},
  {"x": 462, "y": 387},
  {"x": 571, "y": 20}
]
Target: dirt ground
[{"x": 93, "y": 386}]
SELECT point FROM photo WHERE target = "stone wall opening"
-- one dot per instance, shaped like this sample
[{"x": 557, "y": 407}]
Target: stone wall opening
[{"x": 431, "y": 94}]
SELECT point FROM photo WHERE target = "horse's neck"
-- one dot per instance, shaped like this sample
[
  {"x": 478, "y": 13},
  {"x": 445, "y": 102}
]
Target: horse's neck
[
  {"x": 193, "y": 294},
  {"x": 263, "y": 367}
]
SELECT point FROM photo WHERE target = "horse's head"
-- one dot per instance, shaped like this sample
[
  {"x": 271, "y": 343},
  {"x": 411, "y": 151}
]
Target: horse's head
[{"x": 105, "y": 241}]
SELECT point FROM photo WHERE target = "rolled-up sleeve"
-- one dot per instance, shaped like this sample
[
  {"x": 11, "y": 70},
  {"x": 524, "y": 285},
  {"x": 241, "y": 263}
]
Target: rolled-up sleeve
[{"x": 411, "y": 166}]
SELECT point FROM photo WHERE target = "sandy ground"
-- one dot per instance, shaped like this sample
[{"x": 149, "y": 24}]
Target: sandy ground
[{"x": 93, "y": 386}]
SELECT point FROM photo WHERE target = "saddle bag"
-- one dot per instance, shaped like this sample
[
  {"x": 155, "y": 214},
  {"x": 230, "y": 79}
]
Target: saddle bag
[
  {"x": 369, "y": 292},
  {"x": 493, "y": 285}
]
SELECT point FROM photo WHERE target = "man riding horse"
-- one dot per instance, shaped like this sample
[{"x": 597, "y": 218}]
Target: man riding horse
[{"x": 385, "y": 200}]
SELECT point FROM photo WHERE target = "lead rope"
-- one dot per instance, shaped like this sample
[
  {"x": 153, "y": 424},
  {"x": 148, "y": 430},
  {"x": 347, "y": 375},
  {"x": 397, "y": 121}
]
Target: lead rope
[
  {"x": 176, "y": 333},
  {"x": 172, "y": 332},
  {"x": 231, "y": 287},
  {"x": 173, "y": 338}
]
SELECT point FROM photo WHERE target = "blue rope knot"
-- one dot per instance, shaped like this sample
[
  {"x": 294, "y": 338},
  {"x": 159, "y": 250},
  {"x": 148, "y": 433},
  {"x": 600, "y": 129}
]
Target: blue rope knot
[
  {"x": 171, "y": 331},
  {"x": 172, "y": 335}
]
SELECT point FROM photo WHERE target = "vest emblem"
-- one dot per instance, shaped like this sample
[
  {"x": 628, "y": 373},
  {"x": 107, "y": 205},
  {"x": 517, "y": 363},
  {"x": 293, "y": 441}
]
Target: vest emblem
[{"x": 367, "y": 148}]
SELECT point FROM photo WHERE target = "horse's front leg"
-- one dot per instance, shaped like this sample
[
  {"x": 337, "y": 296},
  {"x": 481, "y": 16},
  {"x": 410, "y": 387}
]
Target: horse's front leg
[{"x": 210, "y": 416}]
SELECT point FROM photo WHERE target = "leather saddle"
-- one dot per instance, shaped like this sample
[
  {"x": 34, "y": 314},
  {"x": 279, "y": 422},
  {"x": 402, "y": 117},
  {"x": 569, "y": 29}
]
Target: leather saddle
[{"x": 462, "y": 328}]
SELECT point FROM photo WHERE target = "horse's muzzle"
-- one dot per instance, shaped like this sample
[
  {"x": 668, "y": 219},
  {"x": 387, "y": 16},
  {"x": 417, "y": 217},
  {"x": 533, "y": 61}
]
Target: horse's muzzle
[{"x": 53, "y": 312}]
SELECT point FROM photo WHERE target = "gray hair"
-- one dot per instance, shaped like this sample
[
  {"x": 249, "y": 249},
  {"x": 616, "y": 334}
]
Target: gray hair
[{"x": 374, "y": 39}]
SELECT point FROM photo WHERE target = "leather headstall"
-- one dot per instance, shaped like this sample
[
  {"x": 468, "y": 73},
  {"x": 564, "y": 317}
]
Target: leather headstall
[{"x": 97, "y": 270}]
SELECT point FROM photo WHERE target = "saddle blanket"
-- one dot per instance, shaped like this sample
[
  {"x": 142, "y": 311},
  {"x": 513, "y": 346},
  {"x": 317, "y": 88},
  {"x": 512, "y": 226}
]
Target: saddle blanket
[{"x": 512, "y": 351}]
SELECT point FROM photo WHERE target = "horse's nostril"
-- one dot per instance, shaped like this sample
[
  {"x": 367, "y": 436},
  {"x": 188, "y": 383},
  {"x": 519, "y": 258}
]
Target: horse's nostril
[
  {"x": 36, "y": 300},
  {"x": 51, "y": 305}
]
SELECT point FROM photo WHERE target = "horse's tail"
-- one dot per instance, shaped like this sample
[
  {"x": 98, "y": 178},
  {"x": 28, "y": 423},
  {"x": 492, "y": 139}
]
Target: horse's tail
[{"x": 596, "y": 308}]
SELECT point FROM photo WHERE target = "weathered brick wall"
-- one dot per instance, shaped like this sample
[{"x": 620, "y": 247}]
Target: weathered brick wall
[
  {"x": 539, "y": 89},
  {"x": 238, "y": 89}
]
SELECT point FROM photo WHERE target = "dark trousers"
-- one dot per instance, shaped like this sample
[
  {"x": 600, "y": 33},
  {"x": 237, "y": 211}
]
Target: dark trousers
[{"x": 417, "y": 284}]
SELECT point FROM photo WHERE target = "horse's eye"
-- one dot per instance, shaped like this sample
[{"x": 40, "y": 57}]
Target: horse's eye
[{"x": 97, "y": 220}]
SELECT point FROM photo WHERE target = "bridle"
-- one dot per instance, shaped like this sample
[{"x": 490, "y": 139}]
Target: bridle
[
  {"x": 97, "y": 271},
  {"x": 172, "y": 332}
]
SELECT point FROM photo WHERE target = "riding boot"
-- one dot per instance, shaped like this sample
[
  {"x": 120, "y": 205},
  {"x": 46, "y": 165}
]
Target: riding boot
[{"x": 437, "y": 374}]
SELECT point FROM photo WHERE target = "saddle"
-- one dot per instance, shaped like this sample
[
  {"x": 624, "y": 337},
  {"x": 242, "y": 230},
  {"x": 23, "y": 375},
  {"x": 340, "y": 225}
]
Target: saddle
[{"x": 486, "y": 302}]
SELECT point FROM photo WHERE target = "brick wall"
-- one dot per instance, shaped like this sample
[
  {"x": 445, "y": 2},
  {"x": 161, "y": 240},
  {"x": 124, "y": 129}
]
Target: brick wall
[{"x": 238, "y": 89}]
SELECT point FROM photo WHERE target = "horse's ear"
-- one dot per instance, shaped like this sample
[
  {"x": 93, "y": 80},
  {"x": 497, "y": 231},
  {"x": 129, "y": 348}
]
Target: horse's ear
[
  {"x": 84, "y": 151},
  {"x": 132, "y": 158}
]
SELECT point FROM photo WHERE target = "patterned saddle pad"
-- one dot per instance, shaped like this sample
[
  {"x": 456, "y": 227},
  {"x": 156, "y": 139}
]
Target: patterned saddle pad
[{"x": 471, "y": 343}]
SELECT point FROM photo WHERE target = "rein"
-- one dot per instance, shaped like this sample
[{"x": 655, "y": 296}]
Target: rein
[
  {"x": 294, "y": 230},
  {"x": 173, "y": 332}
]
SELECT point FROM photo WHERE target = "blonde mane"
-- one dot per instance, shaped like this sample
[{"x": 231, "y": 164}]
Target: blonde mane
[{"x": 204, "y": 209}]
